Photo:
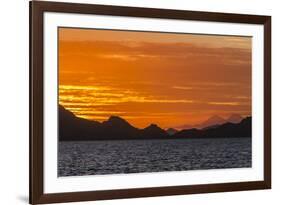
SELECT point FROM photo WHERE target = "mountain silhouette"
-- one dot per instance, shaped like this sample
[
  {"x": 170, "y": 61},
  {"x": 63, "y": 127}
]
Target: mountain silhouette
[
  {"x": 234, "y": 118},
  {"x": 241, "y": 129},
  {"x": 116, "y": 127},
  {"x": 210, "y": 122},
  {"x": 70, "y": 126},
  {"x": 213, "y": 121},
  {"x": 153, "y": 131},
  {"x": 73, "y": 128}
]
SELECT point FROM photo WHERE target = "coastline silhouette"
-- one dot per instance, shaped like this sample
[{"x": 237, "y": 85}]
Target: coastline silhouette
[{"x": 73, "y": 128}]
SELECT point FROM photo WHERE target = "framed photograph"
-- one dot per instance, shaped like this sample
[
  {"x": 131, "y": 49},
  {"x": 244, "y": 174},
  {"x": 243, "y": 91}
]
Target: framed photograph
[{"x": 138, "y": 102}]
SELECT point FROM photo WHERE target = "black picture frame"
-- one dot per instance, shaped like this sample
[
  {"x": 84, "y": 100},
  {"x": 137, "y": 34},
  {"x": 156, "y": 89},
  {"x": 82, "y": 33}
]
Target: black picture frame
[{"x": 37, "y": 9}]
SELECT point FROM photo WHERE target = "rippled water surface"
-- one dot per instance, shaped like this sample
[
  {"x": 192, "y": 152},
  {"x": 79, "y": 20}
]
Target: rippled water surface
[{"x": 134, "y": 156}]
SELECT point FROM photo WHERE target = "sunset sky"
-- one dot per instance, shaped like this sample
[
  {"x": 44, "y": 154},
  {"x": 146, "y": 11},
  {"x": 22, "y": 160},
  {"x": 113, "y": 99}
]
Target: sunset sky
[{"x": 145, "y": 77}]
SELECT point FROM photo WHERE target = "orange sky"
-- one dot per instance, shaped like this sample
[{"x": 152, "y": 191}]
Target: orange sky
[{"x": 145, "y": 77}]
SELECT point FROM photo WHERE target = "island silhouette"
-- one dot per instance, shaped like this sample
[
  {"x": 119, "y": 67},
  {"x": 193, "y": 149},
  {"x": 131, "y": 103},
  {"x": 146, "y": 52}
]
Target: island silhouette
[{"x": 73, "y": 128}]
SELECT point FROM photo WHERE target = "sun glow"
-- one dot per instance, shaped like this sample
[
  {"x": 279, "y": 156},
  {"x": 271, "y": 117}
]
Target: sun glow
[{"x": 166, "y": 79}]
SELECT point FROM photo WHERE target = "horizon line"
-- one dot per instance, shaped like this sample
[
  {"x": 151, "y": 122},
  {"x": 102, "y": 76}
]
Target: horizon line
[{"x": 194, "y": 126}]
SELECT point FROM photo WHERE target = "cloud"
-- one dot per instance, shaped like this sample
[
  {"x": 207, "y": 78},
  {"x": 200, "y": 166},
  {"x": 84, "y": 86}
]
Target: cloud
[
  {"x": 119, "y": 57},
  {"x": 242, "y": 97},
  {"x": 130, "y": 52},
  {"x": 183, "y": 88},
  {"x": 224, "y": 103},
  {"x": 99, "y": 100}
]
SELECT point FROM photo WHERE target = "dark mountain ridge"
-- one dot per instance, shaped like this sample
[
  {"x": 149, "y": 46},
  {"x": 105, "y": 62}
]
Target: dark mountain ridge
[
  {"x": 73, "y": 128},
  {"x": 241, "y": 129},
  {"x": 213, "y": 121}
]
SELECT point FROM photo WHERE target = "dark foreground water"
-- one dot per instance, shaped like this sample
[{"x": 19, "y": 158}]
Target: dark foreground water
[{"x": 134, "y": 156}]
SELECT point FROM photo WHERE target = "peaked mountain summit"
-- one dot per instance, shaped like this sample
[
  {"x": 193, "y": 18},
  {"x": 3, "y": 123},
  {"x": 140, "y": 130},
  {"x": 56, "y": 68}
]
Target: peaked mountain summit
[
  {"x": 153, "y": 131},
  {"x": 116, "y": 121},
  {"x": 234, "y": 118},
  {"x": 213, "y": 120}
]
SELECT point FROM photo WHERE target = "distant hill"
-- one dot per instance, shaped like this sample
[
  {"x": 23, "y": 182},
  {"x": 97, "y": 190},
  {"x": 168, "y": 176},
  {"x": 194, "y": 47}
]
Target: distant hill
[
  {"x": 153, "y": 131},
  {"x": 214, "y": 121},
  {"x": 116, "y": 127},
  {"x": 74, "y": 128},
  {"x": 234, "y": 118},
  {"x": 241, "y": 129}
]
